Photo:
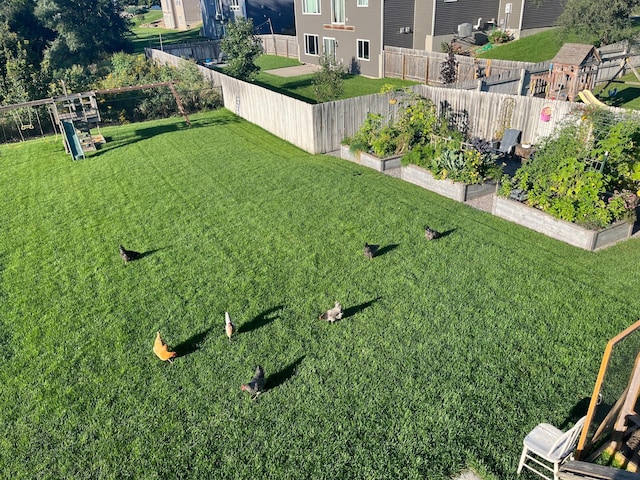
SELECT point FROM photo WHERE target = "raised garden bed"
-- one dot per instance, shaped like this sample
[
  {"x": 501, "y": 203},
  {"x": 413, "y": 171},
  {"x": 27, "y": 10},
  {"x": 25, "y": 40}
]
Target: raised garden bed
[
  {"x": 461, "y": 192},
  {"x": 369, "y": 160},
  {"x": 567, "y": 232}
]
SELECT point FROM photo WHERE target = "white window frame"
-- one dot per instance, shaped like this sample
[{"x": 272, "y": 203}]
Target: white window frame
[
  {"x": 363, "y": 41},
  {"x": 331, "y": 40},
  {"x": 317, "y": 44},
  {"x": 336, "y": 12},
  {"x": 362, "y": 3},
  {"x": 234, "y": 5},
  {"x": 305, "y": 5}
]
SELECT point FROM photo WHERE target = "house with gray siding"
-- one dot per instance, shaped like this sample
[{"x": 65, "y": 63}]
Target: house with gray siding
[
  {"x": 269, "y": 16},
  {"x": 356, "y": 31}
]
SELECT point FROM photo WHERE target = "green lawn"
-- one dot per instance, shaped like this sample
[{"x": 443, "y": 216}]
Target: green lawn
[
  {"x": 535, "y": 48},
  {"x": 143, "y": 37},
  {"x": 627, "y": 92},
  {"x": 449, "y": 353},
  {"x": 301, "y": 87}
]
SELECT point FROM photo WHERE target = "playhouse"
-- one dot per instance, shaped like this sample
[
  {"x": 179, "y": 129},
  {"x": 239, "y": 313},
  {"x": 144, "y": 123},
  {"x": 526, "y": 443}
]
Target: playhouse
[{"x": 572, "y": 70}]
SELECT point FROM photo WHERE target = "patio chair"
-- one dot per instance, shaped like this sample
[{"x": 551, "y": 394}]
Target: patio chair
[
  {"x": 507, "y": 145},
  {"x": 549, "y": 445}
]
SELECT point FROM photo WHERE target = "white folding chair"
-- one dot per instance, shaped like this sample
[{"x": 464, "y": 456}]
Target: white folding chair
[{"x": 550, "y": 445}]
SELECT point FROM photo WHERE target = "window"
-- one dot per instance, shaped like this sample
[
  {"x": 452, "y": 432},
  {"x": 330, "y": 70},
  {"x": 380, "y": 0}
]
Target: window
[
  {"x": 311, "y": 6},
  {"x": 310, "y": 44},
  {"x": 363, "y": 3},
  {"x": 337, "y": 11},
  {"x": 363, "y": 50},
  {"x": 329, "y": 49},
  {"x": 234, "y": 5}
]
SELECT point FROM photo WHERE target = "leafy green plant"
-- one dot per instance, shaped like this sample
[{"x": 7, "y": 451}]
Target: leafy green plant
[
  {"x": 328, "y": 81},
  {"x": 498, "y": 37},
  {"x": 242, "y": 48},
  {"x": 584, "y": 172}
]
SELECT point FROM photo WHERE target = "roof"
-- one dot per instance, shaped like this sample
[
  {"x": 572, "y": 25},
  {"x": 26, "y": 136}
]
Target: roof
[{"x": 576, "y": 54}]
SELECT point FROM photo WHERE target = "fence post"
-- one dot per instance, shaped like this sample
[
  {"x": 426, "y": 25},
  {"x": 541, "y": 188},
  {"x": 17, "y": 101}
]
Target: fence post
[{"x": 523, "y": 73}]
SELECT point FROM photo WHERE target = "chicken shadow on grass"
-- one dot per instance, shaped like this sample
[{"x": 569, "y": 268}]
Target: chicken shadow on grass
[
  {"x": 446, "y": 233},
  {"x": 191, "y": 344},
  {"x": 386, "y": 249},
  {"x": 262, "y": 319},
  {"x": 283, "y": 375},
  {"x": 351, "y": 311}
]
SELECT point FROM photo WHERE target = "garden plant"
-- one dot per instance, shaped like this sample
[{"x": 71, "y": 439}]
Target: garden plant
[{"x": 588, "y": 172}]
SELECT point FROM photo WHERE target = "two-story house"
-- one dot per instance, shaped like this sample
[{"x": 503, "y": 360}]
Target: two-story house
[
  {"x": 354, "y": 32},
  {"x": 269, "y": 16}
]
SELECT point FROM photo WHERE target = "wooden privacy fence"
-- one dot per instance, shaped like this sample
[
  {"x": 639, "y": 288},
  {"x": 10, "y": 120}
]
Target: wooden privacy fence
[
  {"x": 321, "y": 128},
  {"x": 280, "y": 45}
]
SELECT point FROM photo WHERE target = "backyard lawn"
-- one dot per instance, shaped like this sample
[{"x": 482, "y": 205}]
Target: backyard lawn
[{"x": 449, "y": 351}]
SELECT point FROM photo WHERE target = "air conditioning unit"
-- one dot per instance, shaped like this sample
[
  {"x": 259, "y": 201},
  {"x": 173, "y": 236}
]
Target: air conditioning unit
[{"x": 465, "y": 30}]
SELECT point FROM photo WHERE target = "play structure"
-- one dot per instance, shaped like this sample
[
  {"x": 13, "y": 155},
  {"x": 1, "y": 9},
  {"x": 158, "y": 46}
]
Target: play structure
[
  {"x": 588, "y": 98},
  {"x": 572, "y": 70},
  {"x": 76, "y": 116}
]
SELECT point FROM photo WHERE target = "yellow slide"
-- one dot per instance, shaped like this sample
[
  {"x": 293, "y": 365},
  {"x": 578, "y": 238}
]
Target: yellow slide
[{"x": 589, "y": 98}]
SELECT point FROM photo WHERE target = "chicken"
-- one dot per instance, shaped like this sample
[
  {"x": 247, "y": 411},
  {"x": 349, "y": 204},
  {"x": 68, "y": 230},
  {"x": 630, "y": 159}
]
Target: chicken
[
  {"x": 370, "y": 250},
  {"x": 256, "y": 386},
  {"x": 160, "y": 349},
  {"x": 431, "y": 234},
  {"x": 332, "y": 314},
  {"x": 229, "y": 326},
  {"x": 128, "y": 255}
]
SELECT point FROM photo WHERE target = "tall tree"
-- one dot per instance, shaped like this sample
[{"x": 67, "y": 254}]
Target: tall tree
[
  {"x": 85, "y": 30},
  {"x": 242, "y": 48},
  {"x": 607, "y": 22}
]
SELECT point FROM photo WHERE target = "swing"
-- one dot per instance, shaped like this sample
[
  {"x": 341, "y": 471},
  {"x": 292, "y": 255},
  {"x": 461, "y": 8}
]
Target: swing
[{"x": 26, "y": 126}]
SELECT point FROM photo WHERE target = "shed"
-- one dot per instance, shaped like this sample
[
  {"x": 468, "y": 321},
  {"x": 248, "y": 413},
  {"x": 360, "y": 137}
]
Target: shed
[{"x": 573, "y": 69}]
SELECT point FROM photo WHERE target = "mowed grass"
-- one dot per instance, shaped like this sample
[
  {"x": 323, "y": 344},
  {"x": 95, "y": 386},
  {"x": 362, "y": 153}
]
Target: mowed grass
[
  {"x": 301, "y": 87},
  {"x": 449, "y": 353}
]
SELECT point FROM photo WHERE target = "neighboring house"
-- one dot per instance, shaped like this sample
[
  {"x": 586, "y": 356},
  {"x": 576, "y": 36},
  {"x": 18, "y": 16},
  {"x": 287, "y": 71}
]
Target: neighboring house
[
  {"x": 180, "y": 14},
  {"x": 269, "y": 16},
  {"x": 356, "y": 31},
  {"x": 348, "y": 31}
]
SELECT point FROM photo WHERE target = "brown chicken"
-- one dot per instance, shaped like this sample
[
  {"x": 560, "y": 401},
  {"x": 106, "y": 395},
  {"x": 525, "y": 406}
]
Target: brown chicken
[
  {"x": 128, "y": 255},
  {"x": 256, "y": 386},
  {"x": 332, "y": 314},
  {"x": 229, "y": 326},
  {"x": 161, "y": 350},
  {"x": 431, "y": 234}
]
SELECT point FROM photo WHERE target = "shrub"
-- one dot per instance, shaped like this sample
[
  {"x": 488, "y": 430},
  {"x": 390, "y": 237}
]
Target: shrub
[
  {"x": 498, "y": 37},
  {"x": 329, "y": 80}
]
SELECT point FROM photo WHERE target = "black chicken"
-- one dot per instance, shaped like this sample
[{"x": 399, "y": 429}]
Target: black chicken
[
  {"x": 256, "y": 386},
  {"x": 128, "y": 255}
]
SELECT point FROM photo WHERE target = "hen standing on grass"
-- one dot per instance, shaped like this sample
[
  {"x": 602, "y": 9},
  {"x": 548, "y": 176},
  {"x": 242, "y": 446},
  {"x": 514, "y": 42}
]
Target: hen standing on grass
[
  {"x": 369, "y": 251},
  {"x": 431, "y": 234},
  {"x": 332, "y": 314},
  {"x": 161, "y": 350},
  {"x": 256, "y": 386},
  {"x": 229, "y": 326},
  {"x": 128, "y": 255}
]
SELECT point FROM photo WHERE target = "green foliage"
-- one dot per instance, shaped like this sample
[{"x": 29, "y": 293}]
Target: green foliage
[
  {"x": 328, "y": 82},
  {"x": 446, "y": 158},
  {"x": 584, "y": 172},
  {"x": 413, "y": 124},
  {"x": 498, "y": 37},
  {"x": 609, "y": 25},
  {"x": 196, "y": 93},
  {"x": 242, "y": 48},
  {"x": 449, "y": 67}
]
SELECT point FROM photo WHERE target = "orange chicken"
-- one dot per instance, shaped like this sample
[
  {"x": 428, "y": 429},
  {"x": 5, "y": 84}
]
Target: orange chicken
[
  {"x": 161, "y": 350},
  {"x": 229, "y": 326}
]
